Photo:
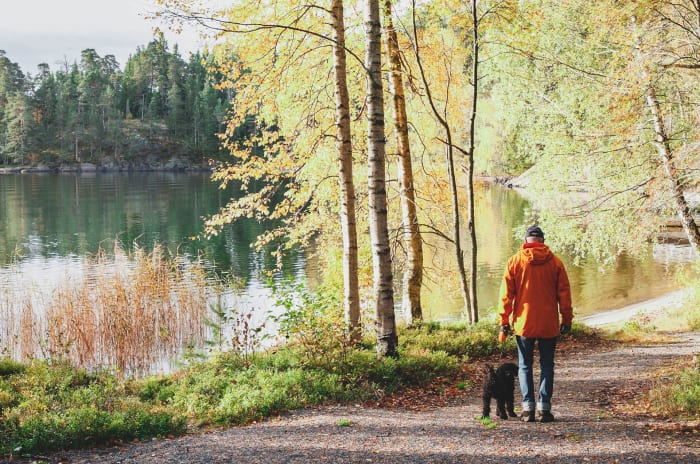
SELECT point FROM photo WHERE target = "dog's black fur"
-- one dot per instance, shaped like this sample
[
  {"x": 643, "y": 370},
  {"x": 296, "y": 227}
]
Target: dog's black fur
[{"x": 499, "y": 384}]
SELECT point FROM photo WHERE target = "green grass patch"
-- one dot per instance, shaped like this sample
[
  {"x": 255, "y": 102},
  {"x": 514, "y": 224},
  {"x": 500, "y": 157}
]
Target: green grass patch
[
  {"x": 459, "y": 340},
  {"x": 678, "y": 395},
  {"x": 47, "y": 407},
  {"x": 488, "y": 423}
]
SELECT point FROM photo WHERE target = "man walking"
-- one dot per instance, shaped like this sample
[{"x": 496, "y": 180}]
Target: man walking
[{"x": 534, "y": 292}]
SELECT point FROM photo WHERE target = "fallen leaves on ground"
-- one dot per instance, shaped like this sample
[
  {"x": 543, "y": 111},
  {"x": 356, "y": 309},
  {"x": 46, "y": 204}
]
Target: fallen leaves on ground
[{"x": 466, "y": 383}]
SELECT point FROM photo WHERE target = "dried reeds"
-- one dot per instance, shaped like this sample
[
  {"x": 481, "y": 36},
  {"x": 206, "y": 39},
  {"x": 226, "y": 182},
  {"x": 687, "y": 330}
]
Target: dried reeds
[{"x": 134, "y": 312}]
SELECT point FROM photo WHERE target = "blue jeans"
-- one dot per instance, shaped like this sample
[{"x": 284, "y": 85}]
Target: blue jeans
[{"x": 526, "y": 351}]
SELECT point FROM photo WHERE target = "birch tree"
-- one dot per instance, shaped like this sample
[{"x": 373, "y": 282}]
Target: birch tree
[
  {"x": 345, "y": 170},
  {"x": 476, "y": 43},
  {"x": 387, "y": 339},
  {"x": 611, "y": 124},
  {"x": 684, "y": 56},
  {"x": 441, "y": 115}
]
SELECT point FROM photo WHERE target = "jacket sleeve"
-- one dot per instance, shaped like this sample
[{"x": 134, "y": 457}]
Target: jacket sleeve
[
  {"x": 506, "y": 296},
  {"x": 564, "y": 296}
]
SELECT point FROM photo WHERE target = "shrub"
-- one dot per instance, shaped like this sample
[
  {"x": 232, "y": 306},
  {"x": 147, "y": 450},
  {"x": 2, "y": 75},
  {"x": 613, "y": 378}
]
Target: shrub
[
  {"x": 457, "y": 339},
  {"x": 678, "y": 395},
  {"x": 10, "y": 367}
]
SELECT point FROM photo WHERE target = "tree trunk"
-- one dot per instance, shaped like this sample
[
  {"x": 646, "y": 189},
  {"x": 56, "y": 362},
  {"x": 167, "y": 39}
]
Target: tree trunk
[
  {"x": 665, "y": 152},
  {"x": 387, "y": 340},
  {"x": 456, "y": 224},
  {"x": 347, "y": 188},
  {"x": 413, "y": 276},
  {"x": 449, "y": 155},
  {"x": 474, "y": 308}
]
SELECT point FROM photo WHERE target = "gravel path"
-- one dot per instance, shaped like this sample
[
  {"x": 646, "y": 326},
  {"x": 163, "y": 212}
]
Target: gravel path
[{"x": 590, "y": 427}]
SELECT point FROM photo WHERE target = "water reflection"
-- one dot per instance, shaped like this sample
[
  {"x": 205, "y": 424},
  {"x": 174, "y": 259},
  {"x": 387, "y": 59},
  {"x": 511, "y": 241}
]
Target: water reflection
[
  {"x": 75, "y": 215},
  {"x": 49, "y": 224}
]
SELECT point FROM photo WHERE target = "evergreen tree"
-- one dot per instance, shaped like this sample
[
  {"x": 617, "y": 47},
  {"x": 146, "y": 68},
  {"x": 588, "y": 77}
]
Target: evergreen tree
[
  {"x": 11, "y": 80},
  {"x": 175, "y": 100},
  {"x": 18, "y": 125},
  {"x": 45, "y": 103}
]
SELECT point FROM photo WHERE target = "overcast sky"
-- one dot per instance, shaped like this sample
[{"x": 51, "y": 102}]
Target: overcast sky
[{"x": 50, "y": 31}]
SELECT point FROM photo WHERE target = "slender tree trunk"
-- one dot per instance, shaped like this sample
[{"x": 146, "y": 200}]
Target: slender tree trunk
[
  {"x": 413, "y": 276},
  {"x": 666, "y": 153},
  {"x": 449, "y": 155},
  {"x": 474, "y": 308},
  {"x": 456, "y": 225},
  {"x": 347, "y": 188},
  {"x": 387, "y": 340}
]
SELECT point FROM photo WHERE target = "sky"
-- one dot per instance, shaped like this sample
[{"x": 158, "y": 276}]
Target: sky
[{"x": 51, "y": 31}]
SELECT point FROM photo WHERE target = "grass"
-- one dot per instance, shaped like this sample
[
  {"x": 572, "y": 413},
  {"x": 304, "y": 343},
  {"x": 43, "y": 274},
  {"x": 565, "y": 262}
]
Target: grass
[
  {"x": 678, "y": 394},
  {"x": 46, "y": 407},
  {"x": 488, "y": 423}
]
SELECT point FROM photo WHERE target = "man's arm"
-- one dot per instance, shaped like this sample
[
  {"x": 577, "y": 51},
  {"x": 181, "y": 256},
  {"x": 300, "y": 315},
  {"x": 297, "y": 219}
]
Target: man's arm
[
  {"x": 507, "y": 295},
  {"x": 564, "y": 297}
]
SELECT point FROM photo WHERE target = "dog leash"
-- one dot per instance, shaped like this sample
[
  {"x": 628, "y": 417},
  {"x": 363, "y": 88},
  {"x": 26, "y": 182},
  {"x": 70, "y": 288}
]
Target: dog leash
[{"x": 502, "y": 339}]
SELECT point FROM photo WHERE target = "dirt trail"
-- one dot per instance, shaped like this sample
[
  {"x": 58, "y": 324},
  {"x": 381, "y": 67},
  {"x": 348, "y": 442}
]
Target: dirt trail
[{"x": 590, "y": 426}]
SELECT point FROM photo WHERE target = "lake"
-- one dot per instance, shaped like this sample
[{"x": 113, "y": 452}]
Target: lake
[{"x": 51, "y": 224}]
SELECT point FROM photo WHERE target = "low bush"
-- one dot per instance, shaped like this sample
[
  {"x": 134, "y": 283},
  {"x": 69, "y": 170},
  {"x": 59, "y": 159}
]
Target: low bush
[
  {"x": 10, "y": 367},
  {"x": 457, "y": 339}
]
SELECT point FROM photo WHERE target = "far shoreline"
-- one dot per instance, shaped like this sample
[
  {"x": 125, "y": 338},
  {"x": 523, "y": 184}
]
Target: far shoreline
[{"x": 90, "y": 168}]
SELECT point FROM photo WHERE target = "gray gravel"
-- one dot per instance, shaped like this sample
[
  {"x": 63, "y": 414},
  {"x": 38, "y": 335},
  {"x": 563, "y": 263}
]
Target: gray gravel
[{"x": 587, "y": 428}]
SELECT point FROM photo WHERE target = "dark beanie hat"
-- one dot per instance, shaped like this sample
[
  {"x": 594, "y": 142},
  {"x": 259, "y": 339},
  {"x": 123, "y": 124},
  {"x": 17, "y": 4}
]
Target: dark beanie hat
[{"x": 534, "y": 231}]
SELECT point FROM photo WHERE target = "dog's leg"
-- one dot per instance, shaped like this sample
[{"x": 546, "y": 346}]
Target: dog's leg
[
  {"x": 509, "y": 408},
  {"x": 510, "y": 400},
  {"x": 486, "y": 403},
  {"x": 501, "y": 408}
]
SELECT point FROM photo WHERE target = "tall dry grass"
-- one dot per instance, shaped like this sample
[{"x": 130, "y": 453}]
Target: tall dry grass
[{"x": 135, "y": 312}]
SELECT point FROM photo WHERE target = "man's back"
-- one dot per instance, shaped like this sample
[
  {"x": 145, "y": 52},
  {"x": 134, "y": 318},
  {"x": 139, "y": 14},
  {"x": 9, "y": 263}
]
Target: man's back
[{"x": 535, "y": 289}]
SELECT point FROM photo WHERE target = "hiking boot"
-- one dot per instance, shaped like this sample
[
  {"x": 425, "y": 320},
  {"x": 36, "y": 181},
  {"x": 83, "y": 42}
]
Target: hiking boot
[
  {"x": 527, "y": 416},
  {"x": 546, "y": 416}
]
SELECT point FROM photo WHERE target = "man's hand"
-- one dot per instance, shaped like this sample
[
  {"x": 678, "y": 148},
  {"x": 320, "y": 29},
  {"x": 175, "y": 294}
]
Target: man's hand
[
  {"x": 564, "y": 329},
  {"x": 503, "y": 332}
]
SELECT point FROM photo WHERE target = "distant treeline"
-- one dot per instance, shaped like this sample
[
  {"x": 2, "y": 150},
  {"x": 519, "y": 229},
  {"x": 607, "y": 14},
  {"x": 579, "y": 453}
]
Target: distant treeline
[{"x": 94, "y": 111}]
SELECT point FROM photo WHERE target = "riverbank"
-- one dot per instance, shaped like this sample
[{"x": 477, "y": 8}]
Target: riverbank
[
  {"x": 599, "y": 408},
  {"x": 655, "y": 306},
  {"x": 421, "y": 408}
]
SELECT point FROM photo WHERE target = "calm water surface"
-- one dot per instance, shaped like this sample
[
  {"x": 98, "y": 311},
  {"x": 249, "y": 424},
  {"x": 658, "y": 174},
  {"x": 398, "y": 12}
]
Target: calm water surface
[{"x": 49, "y": 224}]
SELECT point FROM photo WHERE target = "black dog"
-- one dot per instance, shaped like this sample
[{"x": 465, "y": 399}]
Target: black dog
[{"x": 499, "y": 384}]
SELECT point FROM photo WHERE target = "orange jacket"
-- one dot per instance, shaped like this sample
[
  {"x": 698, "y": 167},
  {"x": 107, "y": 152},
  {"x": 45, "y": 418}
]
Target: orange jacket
[{"x": 535, "y": 290}]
